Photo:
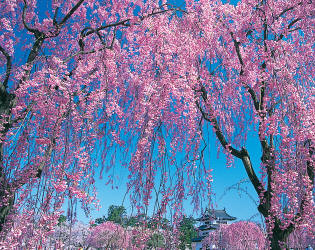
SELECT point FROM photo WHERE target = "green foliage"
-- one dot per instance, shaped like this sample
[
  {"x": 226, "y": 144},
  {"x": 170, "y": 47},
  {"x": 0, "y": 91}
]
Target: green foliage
[
  {"x": 137, "y": 220},
  {"x": 161, "y": 223},
  {"x": 62, "y": 219},
  {"x": 117, "y": 214},
  {"x": 156, "y": 241},
  {"x": 99, "y": 221},
  {"x": 132, "y": 221},
  {"x": 187, "y": 232}
]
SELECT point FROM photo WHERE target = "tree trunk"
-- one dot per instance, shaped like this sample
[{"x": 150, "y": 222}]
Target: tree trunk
[
  {"x": 7, "y": 197},
  {"x": 5, "y": 209},
  {"x": 278, "y": 238}
]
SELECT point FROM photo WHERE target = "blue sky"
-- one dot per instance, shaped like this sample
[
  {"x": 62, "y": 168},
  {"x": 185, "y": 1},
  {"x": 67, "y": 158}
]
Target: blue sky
[{"x": 237, "y": 203}]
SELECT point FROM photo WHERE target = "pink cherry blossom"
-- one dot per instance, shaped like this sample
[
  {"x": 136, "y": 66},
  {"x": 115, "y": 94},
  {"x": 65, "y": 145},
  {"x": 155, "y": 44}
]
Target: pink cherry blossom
[{"x": 95, "y": 77}]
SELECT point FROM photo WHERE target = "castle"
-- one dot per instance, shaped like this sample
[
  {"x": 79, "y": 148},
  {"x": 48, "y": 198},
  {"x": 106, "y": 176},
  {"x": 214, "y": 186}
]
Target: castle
[{"x": 209, "y": 221}]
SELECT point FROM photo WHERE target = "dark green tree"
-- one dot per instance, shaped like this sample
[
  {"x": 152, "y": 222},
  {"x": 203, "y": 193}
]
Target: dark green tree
[
  {"x": 100, "y": 220},
  {"x": 187, "y": 232},
  {"x": 137, "y": 220},
  {"x": 117, "y": 214},
  {"x": 163, "y": 223},
  {"x": 156, "y": 241},
  {"x": 62, "y": 219},
  {"x": 132, "y": 221}
]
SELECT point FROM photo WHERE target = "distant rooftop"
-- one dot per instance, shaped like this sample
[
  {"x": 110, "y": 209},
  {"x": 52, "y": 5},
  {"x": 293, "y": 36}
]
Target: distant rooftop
[
  {"x": 216, "y": 214},
  {"x": 208, "y": 227},
  {"x": 197, "y": 239}
]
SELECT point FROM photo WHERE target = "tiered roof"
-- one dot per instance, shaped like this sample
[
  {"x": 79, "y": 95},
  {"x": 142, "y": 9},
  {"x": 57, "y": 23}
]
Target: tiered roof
[
  {"x": 212, "y": 214},
  {"x": 216, "y": 215},
  {"x": 208, "y": 227}
]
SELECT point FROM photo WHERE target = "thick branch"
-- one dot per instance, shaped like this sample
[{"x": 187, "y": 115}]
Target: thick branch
[
  {"x": 238, "y": 52},
  {"x": 88, "y": 30},
  {"x": 210, "y": 118},
  {"x": 287, "y": 9},
  {"x": 35, "y": 50},
  {"x": 239, "y": 56},
  {"x": 36, "y": 32},
  {"x": 55, "y": 17},
  {"x": 254, "y": 97},
  {"x": 219, "y": 133},
  {"x": 257, "y": 104},
  {"x": 309, "y": 163},
  {"x": 32, "y": 56},
  {"x": 259, "y": 188},
  {"x": 243, "y": 154},
  {"x": 8, "y": 70},
  {"x": 70, "y": 13},
  {"x": 48, "y": 152},
  {"x": 305, "y": 199},
  {"x": 293, "y": 22},
  {"x": 18, "y": 183},
  {"x": 39, "y": 36},
  {"x": 263, "y": 141}
]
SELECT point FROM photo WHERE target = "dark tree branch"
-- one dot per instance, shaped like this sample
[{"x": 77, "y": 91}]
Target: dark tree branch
[
  {"x": 263, "y": 86},
  {"x": 218, "y": 132},
  {"x": 40, "y": 36},
  {"x": 288, "y": 28},
  {"x": 309, "y": 163},
  {"x": 55, "y": 17},
  {"x": 39, "y": 39},
  {"x": 8, "y": 70},
  {"x": 238, "y": 52},
  {"x": 293, "y": 22},
  {"x": 101, "y": 38},
  {"x": 310, "y": 174},
  {"x": 249, "y": 89},
  {"x": 126, "y": 22},
  {"x": 259, "y": 188},
  {"x": 257, "y": 104},
  {"x": 254, "y": 97},
  {"x": 211, "y": 118},
  {"x": 120, "y": 23},
  {"x": 36, "y": 32},
  {"x": 113, "y": 40},
  {"x": 70, "y": 13},
  {"x": 242, "y": 154},
  {"x": 35, "y": 49},
  {"x": 286, "y": 10}
]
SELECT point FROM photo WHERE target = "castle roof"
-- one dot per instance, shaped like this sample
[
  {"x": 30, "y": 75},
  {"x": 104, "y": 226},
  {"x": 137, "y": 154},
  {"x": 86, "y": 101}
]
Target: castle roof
[
  {"x": 216, "y": 214},
  {"x": 208, "y": 227},
  {"x": 197, "y": 239}
]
